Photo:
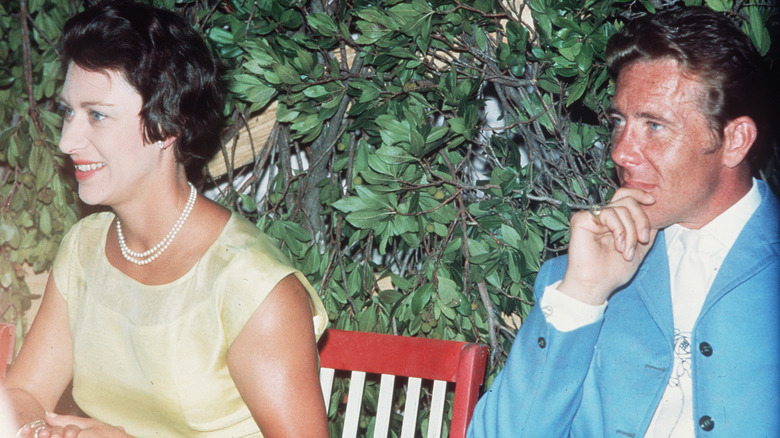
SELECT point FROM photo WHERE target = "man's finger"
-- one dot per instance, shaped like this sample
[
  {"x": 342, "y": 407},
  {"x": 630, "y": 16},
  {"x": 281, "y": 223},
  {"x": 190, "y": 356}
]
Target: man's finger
[{"x": 640, "y": 196}]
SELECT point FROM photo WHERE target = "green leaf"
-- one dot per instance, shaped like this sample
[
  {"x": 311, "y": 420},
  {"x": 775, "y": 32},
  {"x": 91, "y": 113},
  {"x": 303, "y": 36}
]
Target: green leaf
[
  {"x": 437, "y": 133},
  {"x": 323, "y": 23},
  {"x": 221, "y": 36},
  {"x": 369, "y": 92},
  {"x": 287, "y": 74},
  {"x": 458, "y": 125},
  {"x": 355, "y": 203},
  {"x": 304, "y": 61},
  {"x": 575, "y": 91},
  {"x": 394, "y": 155},
  {"x": 448, "y": 290},
  {"x": 421, "y": 297},
  {"x": 368, "y": 219},
  {"x": 291, "y": 19},
  {"x": 44, "y": 221},
  {"x": 575, "y": 139},
  {"x": 248, "y": 203},
  {"x": 315, "y": 91},
  {"x": 260, "y": 96},
  {"x": 554, "y": 223},
  {"x": 391, "y": 130},
  {"x": 757, "y": 31},
  {"x": 480, "y": 38},
  {"x": 720, "y": 5},
  {"x": 511, "y": 236}
]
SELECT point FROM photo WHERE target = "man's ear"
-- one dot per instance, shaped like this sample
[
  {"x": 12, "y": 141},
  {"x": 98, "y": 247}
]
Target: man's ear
[{"x": 738, "y": 137}]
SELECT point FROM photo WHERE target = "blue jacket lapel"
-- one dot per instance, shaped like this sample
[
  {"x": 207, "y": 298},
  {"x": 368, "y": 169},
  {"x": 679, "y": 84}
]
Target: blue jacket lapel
[
  {"x": 751, "y": 250},
  {"x": 652, "y": 282}
]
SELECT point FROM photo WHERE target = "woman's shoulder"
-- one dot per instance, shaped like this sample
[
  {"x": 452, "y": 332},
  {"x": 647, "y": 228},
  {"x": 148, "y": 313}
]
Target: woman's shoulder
[
  {"x": 242, "y": 243},
  {"x": 93, "y": 225},
  {"x": 81, "y": 247},
  {"x": 99, "y": 220}
]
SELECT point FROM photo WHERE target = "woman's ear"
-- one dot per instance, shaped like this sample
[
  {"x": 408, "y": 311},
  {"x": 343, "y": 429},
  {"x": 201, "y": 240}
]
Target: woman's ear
[
  {"x": 738, "y": 137},
  {"x": 165, "y": 144}
]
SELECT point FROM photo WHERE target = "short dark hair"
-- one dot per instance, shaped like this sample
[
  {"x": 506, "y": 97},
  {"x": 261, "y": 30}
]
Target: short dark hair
[
  {"x": 165, "y": 60},
  {"x": 709, "y": 46}
]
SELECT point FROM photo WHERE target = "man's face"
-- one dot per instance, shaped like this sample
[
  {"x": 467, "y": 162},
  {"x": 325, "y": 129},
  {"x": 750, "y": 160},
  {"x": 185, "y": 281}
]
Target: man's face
[{"x": 663, "y": 144}]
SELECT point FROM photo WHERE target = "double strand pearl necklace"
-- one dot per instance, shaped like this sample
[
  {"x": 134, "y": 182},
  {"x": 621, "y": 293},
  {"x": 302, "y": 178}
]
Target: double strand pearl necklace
[{"x": 143, "y": 258}]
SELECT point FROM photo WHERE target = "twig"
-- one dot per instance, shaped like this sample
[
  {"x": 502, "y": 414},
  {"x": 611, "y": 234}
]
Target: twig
[
  {"x": 28, "y": 79},
  {"x": 492, "y": 321}
]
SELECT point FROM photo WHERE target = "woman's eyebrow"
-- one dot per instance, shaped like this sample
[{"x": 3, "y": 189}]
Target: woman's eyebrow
[{"x": 87, "y": 104}]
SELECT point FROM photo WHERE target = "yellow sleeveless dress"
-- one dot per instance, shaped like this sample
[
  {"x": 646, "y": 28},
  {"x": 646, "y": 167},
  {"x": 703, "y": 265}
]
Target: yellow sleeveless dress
[{"x": 152, "y": 359}]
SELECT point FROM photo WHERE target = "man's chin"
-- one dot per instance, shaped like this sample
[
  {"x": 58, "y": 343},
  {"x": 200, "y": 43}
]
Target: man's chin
[{"x": 657, "y": 219}]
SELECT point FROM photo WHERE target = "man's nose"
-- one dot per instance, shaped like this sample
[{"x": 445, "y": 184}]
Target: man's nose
[{"x": 625, "y": 147}]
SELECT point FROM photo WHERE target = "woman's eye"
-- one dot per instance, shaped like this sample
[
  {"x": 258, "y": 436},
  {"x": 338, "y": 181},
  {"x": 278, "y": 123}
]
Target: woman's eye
[
  {"x": 66, "y": 111},
  {"x": 96, "y": 116}
]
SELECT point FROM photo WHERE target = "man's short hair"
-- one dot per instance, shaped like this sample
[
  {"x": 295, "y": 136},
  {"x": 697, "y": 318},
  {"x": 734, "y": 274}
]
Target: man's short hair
[{"x": 709, "y": 46}]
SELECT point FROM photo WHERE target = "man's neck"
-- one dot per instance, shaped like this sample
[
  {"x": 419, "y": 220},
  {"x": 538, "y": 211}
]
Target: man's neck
[{"x": 728, "y": 194}]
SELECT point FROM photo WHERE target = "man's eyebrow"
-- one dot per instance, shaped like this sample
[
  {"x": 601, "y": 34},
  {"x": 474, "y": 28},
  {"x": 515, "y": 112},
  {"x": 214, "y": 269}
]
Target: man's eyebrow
[
  {"x": 612, "y": 111},
  {"x": 652, "y": 116}
]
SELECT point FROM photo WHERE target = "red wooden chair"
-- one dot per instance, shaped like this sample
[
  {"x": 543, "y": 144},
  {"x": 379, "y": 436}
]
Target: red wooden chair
[
  {"x": 416, "y": 358},
  {"x": 7, "y": 332}
]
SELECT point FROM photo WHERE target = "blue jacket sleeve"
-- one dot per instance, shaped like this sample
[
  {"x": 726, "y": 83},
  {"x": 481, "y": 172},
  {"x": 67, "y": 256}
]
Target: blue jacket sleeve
[{"x": 539, "y": 390}]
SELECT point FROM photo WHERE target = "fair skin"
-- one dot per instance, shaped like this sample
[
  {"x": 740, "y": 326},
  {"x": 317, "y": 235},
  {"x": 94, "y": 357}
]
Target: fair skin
[
  {"x": 147, "y": 189},
  {"x": 672, "y": 168}
]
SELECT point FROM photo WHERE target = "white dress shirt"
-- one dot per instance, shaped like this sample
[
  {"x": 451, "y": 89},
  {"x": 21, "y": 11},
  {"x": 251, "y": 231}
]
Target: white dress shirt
[{"x": 717, "y": 237}]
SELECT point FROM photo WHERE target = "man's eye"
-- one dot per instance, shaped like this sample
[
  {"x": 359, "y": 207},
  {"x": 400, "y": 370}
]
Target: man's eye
[
  {"x": 96, "y": 116},
  {"x": 66, "y": 111},
  {"x": 655, "y": 126}
]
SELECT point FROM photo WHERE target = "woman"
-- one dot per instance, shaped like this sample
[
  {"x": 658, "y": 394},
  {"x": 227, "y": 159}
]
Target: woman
[{"x": 172, "y": 316}]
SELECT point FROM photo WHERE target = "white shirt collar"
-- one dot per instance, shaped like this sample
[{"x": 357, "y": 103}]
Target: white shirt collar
[{"x": 726, "y": 226}]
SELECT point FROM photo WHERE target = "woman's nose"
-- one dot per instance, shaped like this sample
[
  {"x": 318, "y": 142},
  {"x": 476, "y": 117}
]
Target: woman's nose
[{"x": 72, "y": 138}]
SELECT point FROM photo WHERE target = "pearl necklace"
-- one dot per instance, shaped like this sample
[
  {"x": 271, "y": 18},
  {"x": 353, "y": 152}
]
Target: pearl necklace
[{"x": 143, "y": 258}]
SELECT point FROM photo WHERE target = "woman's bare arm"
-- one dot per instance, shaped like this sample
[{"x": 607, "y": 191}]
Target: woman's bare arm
[
  {"x": 273, "y": 362},
  {"x": 44, "y": 366}
]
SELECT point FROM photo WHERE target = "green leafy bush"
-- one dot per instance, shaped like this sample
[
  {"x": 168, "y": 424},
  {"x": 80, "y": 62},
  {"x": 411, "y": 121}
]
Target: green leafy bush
[{"x": 37, "y": 200}]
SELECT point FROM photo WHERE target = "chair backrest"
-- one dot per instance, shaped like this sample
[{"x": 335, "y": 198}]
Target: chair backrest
[
  {"x": 418, "y": 359},
  {"x": 7, "y": 332}
]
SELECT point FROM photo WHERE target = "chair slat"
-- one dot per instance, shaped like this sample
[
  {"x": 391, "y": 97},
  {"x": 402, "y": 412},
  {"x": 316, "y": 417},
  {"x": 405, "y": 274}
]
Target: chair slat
[
  {"x": 437, "y": 408},
  {"x": 410, "y": 408},
  {"x": 326, "y": 383},
  {"x": 384, "y": 409},
  {"x": 354, "y": 400}
]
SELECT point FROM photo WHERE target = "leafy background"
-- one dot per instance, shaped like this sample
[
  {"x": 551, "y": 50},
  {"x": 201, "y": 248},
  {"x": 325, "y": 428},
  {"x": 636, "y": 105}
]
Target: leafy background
[{"x": 425, "y": 158}]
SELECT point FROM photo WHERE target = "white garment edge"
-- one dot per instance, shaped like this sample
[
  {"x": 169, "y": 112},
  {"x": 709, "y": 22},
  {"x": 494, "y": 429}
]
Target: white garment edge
[{"x": 566, "y": 313}]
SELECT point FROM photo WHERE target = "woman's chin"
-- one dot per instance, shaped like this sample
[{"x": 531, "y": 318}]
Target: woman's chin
[{"x": 90, "y": 197}]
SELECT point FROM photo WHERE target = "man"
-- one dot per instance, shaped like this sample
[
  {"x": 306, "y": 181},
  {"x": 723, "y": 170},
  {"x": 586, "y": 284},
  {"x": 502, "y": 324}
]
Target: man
[{"x": 664, "y": 318}]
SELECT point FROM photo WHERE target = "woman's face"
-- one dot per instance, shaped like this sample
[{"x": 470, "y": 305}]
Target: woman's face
[{"x": 103, "y": 134}]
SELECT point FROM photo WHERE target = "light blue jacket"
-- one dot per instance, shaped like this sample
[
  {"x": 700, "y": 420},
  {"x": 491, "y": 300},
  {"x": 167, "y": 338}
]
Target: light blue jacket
[{"x": 606, "y": 379}]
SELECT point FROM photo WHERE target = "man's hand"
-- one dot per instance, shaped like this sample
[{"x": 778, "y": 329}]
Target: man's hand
[{"x": 605, "y": 251}]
